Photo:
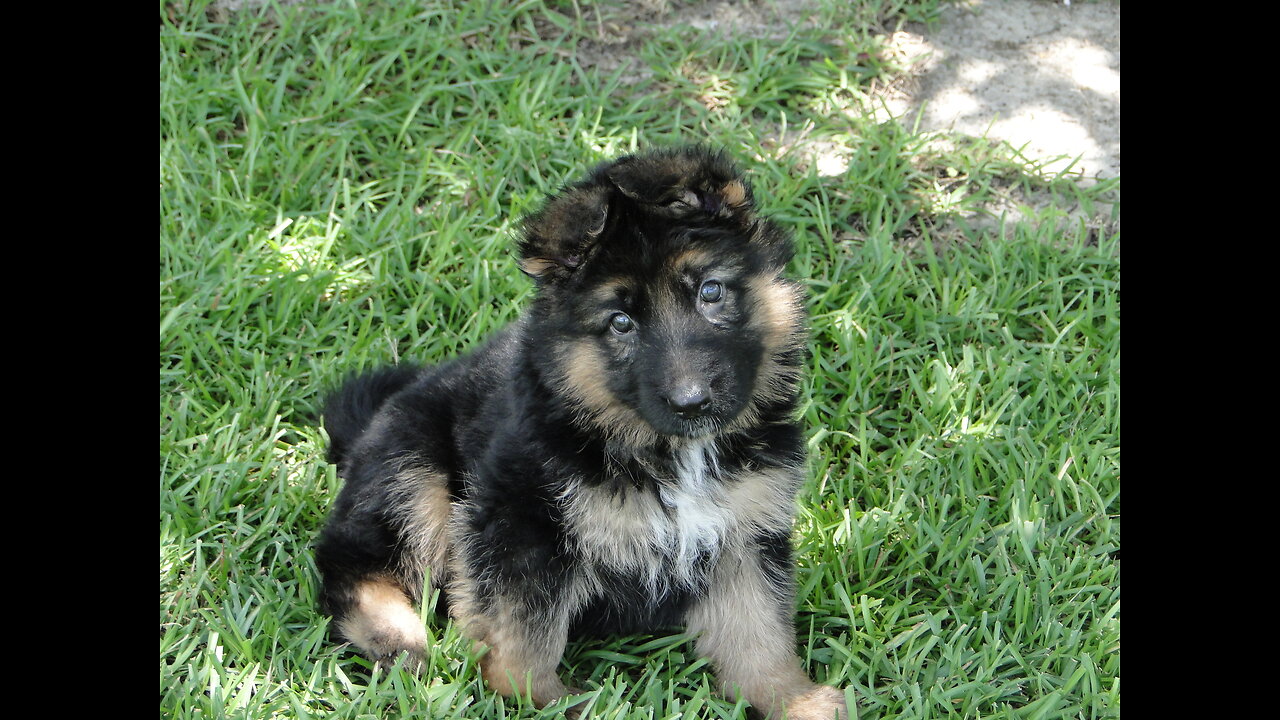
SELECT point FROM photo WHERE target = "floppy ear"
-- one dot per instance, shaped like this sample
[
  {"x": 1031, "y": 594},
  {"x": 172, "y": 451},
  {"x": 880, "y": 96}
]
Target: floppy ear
[
  {"x": 684, "y": 182},
  {"x": 644, "y": 180},
  {"x": 558, "y": 237}
]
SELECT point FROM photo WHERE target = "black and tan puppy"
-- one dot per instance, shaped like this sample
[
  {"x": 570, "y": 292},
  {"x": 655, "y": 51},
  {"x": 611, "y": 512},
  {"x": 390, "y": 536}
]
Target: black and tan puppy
[{"x": 622, "y": 458}]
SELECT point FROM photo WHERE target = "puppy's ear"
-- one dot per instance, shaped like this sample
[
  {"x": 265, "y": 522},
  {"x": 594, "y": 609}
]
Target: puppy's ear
[
  {"x": 688, "y": 182},
  {"x": 558, "y": 237},
  {"x": 644, "y": 180}
]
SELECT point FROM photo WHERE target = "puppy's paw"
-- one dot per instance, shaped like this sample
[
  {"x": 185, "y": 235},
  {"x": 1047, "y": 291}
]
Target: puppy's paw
[
  {"x": 391, "y": 646},
  {"x": 820, "y": 703},
  {"x": 580, "y": 705},
  {"x": 558, "y": 237},
  {"x": 384, "y": 625},
  {"x": 412, "y": 660}
]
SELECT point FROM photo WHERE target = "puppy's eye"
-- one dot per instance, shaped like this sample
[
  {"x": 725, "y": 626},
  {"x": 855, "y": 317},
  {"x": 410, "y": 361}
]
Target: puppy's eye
[
  {"x": 712, "y": 291},
  {"x": 621, "y": 323}
]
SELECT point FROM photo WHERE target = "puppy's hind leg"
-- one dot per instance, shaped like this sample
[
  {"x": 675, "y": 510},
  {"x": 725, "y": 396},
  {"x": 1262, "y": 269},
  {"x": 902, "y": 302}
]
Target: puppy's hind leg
[{"x": 385, "y": 534}]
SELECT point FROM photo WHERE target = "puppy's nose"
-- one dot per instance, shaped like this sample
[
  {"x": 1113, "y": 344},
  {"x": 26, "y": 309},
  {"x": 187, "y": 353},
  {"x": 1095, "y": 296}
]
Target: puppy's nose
[{"x": 689, "y": 400}]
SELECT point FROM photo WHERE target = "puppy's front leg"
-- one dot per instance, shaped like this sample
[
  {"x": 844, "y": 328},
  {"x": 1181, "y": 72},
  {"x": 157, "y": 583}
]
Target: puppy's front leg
[
  {"x": 511, "y": 593},
  {"x": 524, "y": 649},
  {"x": 745, "y": 627}
]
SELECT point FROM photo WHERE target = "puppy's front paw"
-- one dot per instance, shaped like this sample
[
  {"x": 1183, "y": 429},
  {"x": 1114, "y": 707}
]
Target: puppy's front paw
[
  {"x": 820, "y": 703},
  {"x": 579, "y": 707}
]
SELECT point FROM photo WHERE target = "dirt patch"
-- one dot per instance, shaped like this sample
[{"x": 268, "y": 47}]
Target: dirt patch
[{"x": 1043, "y": 76}]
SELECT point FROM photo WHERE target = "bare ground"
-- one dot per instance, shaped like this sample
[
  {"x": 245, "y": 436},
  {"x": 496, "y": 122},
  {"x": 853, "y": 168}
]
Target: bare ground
[{"x": 1040, "y": 75}]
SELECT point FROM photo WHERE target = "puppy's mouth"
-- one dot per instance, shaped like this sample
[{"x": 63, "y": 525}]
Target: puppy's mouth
[
  {"x": 704, "y": 427},
  {"x": 699, "y": 426}
]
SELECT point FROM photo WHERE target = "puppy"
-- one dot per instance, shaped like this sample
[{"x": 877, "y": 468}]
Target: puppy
[{"x": 624, "y": 457}]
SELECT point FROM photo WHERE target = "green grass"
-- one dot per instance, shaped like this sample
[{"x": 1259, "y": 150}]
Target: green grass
[{"x": 338, "y": 188}]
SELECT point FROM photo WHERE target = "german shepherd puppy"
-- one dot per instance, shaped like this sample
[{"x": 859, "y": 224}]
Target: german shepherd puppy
[{"x": 624, "y": 457}]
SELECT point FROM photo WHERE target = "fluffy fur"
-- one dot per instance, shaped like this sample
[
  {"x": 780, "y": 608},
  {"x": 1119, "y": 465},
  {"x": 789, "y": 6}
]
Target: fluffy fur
[{"x": 624, "y": 457}]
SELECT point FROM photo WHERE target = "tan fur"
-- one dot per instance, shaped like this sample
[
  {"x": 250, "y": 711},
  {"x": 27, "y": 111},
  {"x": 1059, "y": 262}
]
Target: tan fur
[
  {"x": 779, "y": 314},
  {"x": 692, "y": 258},
  {"x": 520, "y": 658},
  {"x": 584, "y": 383},
  {"x": 822, "y": 702},
  {"x": 750, "y": 644},
  {"x": 632, "y": 530},
  {"x": 779, "y": 311},
  {"x": 537, "y": 267},
  {"x": 584, "y": 374},
  {"x": 519, "y": 654},
  {"x": 422, "y": 511},
  {"x": 461, "y": 585},
  {"x": 382, "y": 622},
  {"x": 615, "y": 529},
  {"x": 734, "y": 194},
  {"x": 762, "y": 499},
  {"x": 608, "y": 291}
]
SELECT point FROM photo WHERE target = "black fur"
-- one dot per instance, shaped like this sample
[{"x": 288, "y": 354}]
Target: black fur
[
  {"x": 347, "y": 413},
  {"x": 612, "y": 461}
]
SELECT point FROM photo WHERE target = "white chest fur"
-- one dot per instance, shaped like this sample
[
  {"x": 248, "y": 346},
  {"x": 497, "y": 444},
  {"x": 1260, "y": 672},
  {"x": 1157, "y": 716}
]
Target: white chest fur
[
  {"x": 659, "y": 536},
  {"x": 699, "y": 516}
]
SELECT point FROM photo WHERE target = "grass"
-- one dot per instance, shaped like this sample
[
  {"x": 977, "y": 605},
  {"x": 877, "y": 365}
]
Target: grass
[{"x": 338, "y": 188}]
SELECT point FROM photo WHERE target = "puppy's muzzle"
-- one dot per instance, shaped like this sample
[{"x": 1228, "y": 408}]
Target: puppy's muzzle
[{"x": 689, "y": 400}]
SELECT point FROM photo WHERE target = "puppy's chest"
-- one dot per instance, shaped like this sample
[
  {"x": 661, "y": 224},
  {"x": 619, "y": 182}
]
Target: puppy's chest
[{"x": 665, "y": 532}]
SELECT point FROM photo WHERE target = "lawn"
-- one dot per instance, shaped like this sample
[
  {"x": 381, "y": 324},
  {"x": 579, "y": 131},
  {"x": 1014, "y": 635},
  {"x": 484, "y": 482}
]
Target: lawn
[{"x": 339, "y": 187}]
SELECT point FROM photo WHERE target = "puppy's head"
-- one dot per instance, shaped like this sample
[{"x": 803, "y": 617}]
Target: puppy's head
[
  {"x": 661, "y": 303},
  {"x": 693, "y": 186}
]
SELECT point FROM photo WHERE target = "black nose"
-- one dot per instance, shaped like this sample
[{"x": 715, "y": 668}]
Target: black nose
[{"x": 689, "y": 401}]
